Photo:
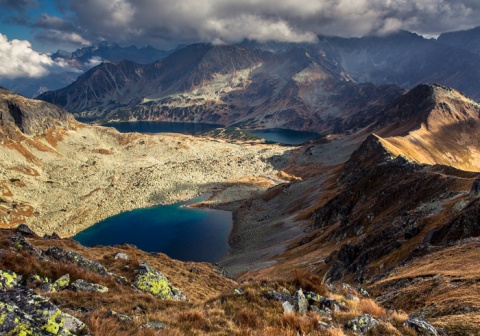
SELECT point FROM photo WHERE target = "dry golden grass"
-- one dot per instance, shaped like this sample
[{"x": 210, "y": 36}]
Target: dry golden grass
[
  {"x": 103, "y": 151},
  {"x": 288, "y": 177},
  {"x": 33, "y": 143},
  {"x": 25, "y": 170},
  {"x": 301, "y": 278},
  {"x": 5, "y": 190},
  {"x": 53, "y": 136},
  {"x": 368, "y": 306},
  {"x": 217, "y": 312}
]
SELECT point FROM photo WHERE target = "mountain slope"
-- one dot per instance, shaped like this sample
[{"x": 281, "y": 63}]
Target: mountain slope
[
  {"x": 52, "y": 286},
  {"x": 405, "y": 59},
  {"x": 384, "y": 218},
  {"x": 466, "y": 39},
  {"x": 111, "y": 52},
  {"x": 71, "y": 65},
  {"x": 447, "y": 132},
  {"x": 20, "y": 116}
]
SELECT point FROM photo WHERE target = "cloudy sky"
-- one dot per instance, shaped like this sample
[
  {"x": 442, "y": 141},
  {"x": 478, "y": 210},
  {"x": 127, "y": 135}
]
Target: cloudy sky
[{"x": 47, "y": 25}]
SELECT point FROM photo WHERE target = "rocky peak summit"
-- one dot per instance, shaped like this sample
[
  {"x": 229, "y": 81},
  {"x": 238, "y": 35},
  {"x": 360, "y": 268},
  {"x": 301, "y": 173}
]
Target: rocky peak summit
[
  {"x": 433, "y": 124},
  {"x": 31, "y": 117}
]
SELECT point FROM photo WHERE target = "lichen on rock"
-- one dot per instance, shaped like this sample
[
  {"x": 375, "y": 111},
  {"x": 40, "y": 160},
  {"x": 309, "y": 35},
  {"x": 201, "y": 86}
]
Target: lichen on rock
[
  {"x": 9, "y": 279},
  {"x": 149, "y": 280},
  {"x": 81, "y": 285},
  {"x": 62, "y": 282},
  {"x": 24, "y": 312},
  {"x": 300, "y": 302},
  {"x": 20, "y": 243},
  {"x": 362, "y": 324},
  {"x": 421, "y": 326}
]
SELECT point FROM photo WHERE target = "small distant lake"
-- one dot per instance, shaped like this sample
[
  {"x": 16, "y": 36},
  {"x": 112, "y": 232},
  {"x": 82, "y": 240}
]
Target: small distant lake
[
  {"x": 278, "y": 135},
  {"x": 162, "y": 127},
  {"x": 285, "y": 136},
  {"x": 188, "y": 234}
]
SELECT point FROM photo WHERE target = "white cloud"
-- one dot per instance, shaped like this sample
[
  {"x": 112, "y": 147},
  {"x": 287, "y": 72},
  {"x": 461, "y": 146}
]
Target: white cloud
[
  {"x": 168, "y": 22},
  {"x": 253, "y": 27},
  {"x": 18, "y": 59}
]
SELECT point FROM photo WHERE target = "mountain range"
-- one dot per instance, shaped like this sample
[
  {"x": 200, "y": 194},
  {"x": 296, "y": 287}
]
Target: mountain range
[
  {"x": 75, "y": 63},
  {"x": 299, "y": 86}
]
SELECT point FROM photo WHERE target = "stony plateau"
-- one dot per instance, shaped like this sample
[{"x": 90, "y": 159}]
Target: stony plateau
[{"x": 59, "y": 175}]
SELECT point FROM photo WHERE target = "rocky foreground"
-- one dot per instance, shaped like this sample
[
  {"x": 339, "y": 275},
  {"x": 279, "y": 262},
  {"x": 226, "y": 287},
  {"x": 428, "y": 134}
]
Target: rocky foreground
[{"x": 53, "y": 286}]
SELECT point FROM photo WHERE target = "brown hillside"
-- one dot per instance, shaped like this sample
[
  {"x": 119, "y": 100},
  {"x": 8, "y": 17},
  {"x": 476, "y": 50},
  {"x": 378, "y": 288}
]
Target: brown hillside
[
  {"x": 443, "y": 129},
  {"x": 401, "y": 216}
]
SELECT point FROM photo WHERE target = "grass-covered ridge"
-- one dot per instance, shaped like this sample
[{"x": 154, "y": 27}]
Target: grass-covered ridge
[{"x": 206, "y": 300}]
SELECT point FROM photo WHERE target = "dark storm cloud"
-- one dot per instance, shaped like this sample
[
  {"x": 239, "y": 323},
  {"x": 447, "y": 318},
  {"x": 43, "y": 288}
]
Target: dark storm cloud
[
  {"x": 52, "y": 22},
  {"x": 19, "y": 20},
  {"x": 181, "y": 21},
  {"x": 65, "y": 39},
  {"x": 19, "y": 5}
]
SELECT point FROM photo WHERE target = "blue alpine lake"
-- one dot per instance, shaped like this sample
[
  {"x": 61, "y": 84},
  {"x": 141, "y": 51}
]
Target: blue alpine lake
[
  {"x": 278, "y": 135},
  {"x": 188, "y": 234},
  {"x": 285, "y": 136}
]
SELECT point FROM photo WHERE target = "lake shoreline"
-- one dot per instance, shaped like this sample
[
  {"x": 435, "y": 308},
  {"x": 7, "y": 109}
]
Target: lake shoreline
[{"x": 177, "y": 230}]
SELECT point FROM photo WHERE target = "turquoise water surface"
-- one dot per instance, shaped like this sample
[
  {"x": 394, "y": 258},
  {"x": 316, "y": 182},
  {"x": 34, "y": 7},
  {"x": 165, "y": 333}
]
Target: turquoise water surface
[{"x": 188, "y": 234}]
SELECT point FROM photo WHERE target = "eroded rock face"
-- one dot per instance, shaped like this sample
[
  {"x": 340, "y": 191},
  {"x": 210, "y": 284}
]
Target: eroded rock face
[
  {"x": 25, "y": 230},
  {"x": 30, "y": 116},
  {"x": 20, "y": 243},
  {"x": 421, "y": 326},
  {"x": 301, "y": 302},
  {"x": 475, "y": 187},
  {"x": 149, "y": 280},
  {"x": 282, "y": 297}
]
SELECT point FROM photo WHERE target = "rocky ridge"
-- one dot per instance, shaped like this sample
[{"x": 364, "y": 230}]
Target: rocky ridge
[{"x": 404, "y": 228}]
